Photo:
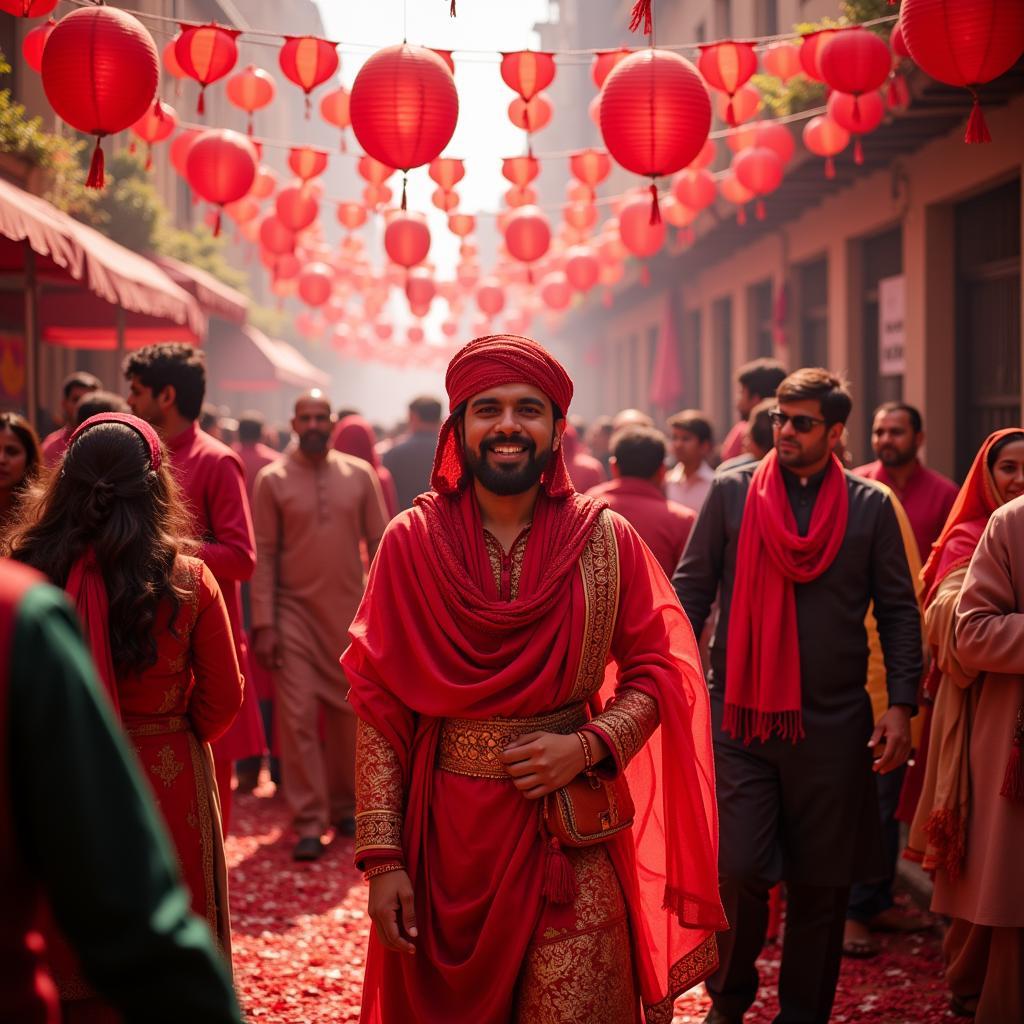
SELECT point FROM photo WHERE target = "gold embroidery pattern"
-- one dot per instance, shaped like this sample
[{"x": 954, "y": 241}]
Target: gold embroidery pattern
[
  {"x": 685, "y": 973},
  {"x": 599, "y": 566},
  {"x": 192, "y": 568},
  {"x": 379, "y": 792},
  {"x": 157, "y": 727},
  {"x": 627, "y": 724},
  {"x": 172, "y": 695},
  {"x": 584, "y": 973},
  {"x": 471, "y": 747},
  {"x": 167, "y": 768},
  {"x": 517, "y": 555},
  {"x": 207, "y": 818}
]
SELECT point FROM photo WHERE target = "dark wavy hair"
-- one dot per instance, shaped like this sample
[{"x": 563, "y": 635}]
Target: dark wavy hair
[
  {"x": 25, "y": 433},
  {"x": 108, "y": 497}
]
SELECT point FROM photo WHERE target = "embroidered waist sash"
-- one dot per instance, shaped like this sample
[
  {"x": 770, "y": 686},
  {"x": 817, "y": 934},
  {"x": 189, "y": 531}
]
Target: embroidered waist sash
[{"x": 156, "y": 725}]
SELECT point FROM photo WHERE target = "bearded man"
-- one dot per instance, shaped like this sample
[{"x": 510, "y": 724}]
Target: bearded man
[{"x": 476, "y": 668}]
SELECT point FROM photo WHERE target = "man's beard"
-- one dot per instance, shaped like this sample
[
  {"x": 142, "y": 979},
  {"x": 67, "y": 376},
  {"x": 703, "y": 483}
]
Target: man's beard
[
  {"x": 798, "y": 457},
  {"x": 313, "y": 442},
  {"x": 896, "y": 457},
  {"x": 503, "y": 479}
]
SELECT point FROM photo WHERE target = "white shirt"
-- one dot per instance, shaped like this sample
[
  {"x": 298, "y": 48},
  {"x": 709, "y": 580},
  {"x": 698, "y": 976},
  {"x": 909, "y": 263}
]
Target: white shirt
[{"x": 689, "y": 490}]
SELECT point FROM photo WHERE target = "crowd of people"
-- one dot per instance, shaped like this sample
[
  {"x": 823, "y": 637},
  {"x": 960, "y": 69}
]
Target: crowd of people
[{"x": 606, "y": 693}]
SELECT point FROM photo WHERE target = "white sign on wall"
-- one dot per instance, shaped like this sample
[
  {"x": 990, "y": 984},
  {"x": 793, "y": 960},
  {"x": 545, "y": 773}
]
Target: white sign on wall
[{"x": 892, "y": 360}]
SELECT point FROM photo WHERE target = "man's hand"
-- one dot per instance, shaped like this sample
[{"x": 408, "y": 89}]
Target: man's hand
[
  {"x": 392, "y": 911},
  {"x": 541, "y": 762},
  {"x": 893, "y": 735},
  {"x": 266, "y": 648}
]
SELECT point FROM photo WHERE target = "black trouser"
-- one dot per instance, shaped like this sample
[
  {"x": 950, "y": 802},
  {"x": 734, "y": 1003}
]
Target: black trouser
[
  {"x": 811, "y": 949},
  {"x": 869, "y": 899}
]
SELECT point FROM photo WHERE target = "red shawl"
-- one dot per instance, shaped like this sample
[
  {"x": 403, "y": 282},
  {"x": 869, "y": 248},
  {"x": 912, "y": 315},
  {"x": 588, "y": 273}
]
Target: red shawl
[
  {"x": 762, "y": 678},
  {"x": 354, "y": 436}
]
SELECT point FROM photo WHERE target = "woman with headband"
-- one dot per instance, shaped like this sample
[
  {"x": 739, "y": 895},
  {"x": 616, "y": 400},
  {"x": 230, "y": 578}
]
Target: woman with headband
[{"x": 109, "y": 529}]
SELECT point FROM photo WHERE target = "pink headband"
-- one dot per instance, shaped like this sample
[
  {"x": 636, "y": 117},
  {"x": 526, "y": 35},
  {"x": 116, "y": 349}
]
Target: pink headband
[{"x": 141, "y": 427}]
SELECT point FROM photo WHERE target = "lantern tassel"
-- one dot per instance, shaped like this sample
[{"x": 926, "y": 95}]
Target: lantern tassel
[
  {"x": 641, "y": 13},
  {"x": 759, "y": 209},
  {"x": 730, "y": 114},
  {"x": 858, "y": 152},
  {"x": 97, "y": 168},
  {"x": 977, "y": 127},
  {"x": 830, "y": 168},
  {"x": 158, "y": 109},
  {"x": 309, "y": 106},
  {"x": 216, "y": 223},
  {"x": 132, "y": 147},
  {"x": 248, "y": 127},
  {"x": 645, "y": 276},
  {"x": 149, "y": 157},
  {"x": 655, "y": 208},
  {"x": 741, "y": 215},
  {"x": 451, "y": 10},
  {"x": 856, "y": 110},
  {"x": 344, "y": 143},
  {"x": 405, "y": 181},
  {"x": 201, "y": 105}
]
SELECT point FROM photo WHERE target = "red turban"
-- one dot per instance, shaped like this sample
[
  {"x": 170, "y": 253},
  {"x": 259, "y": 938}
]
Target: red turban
[{"x": 490, "y": 362}]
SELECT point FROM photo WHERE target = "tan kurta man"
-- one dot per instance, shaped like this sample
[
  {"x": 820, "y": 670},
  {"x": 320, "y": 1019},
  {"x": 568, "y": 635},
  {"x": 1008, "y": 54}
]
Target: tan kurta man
[{"x": 311, "y": 517}]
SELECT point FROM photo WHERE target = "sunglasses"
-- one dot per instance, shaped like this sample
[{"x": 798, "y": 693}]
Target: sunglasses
[{"x": 801, "y": 424}]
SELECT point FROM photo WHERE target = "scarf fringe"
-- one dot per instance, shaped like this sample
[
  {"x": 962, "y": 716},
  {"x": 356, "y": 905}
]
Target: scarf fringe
[
  {"x": 749, "y": 724},
  {"x": 945, "y": 830},
  {"x": 1013, "y": 780},
  {"x": 560, "y": 884}
]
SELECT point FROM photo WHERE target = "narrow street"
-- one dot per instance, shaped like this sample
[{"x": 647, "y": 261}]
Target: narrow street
[{"x": 300, "y": 934}]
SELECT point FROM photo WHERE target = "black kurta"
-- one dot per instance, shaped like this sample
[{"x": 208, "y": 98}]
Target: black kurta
[{"x": 807, "y": 812}]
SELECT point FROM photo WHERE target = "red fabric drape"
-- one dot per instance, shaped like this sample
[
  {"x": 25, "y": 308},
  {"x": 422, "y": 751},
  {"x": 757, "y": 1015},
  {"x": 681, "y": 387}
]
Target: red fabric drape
[
  {"x": 762, "y": 681},
  {"x": 87, "y": 590},
  {"x": 354, "y": 436}
]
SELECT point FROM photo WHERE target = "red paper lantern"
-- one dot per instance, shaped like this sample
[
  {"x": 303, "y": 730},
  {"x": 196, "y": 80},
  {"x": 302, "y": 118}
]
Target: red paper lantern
[
  {"x": 705, "y": 158},
  {"x": 897, "y": 43},
  {"x": 520, "y": 170},
  {"x": 444, "y": 201},
  {"x": 373, "y": 171},
  {"x": 446, "y": 56},
  {"x": 404, "y": 106},
  {"x": 855, "y": 61},
  {"x": 964, "y": 43},
  {"x": 694, "y": 189},
  {"x": 449, "y": 328},
  {"x": 276, "y": 238},
  {"x": 858, "y": 115},
  {"x": 580, "y": 216},
  {"x": 296, "y": 207},
  {"x": 316, "y": 282},
  {"x": 679, "y": 216},
  {"x": 335, "y": 109},
  {"x": 555, "y": 291},
  {"x": 591, "y": 166},
  {"x": 655, "y": 114},
  {"x": 180, "y": 146},
  {"x": 594, "y": 110},
  {"x": 377, "y": 195},
  {"x": 170, "y": 60},
  {"x": 243, "y": 210},
  {"x": 33, "y": 43},
  {"x": 221, "y": 167},
  {"x": 760, "y": 170},
  {"x": 383, "y": 330},
  {"x": 638, "y": 234},
  {"x": 100, "y": 71},
  {"x": 206, "y": 53},
  {"x": 447, "y": 172},
  {"x": 28, "y": 8},
  {"x": 768, "y": 134},
  {"x": 527, "y": 72},
  {"x": 810, "y": 51},
  {"x": 782, "y": 60},
  {"x": 528, "y": 234},
  {"x": 531, "y": 115},
  {"x": 265, "y": 183},
  {"x": 727, "y": 66},
  {"x": 351, "y": 215},
  {"x": 733, "y": 191},
  {"x": 155, "y": 125},
  {"x": 462, "y": 224},
  {"x": 420, "y": 288},
  {"x": 490, "y": 296},
  {"x": 306, "y": 162},
  {"x": 823, "y": 137},
  {"x": 520, "y": 197},
  {"x": 251, "y": 90},
  {"x": 581, "y": 267},
  {"x": 308, "y": 62},
  {"x": 744, "y": 104},
  {"x": 604, "y": 61},
  {"x": 407, "y": 238}
]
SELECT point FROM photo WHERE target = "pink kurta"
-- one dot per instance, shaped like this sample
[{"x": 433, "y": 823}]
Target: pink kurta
[
  {"x": 54, "y": 445},
  {"x": 212, "y": 477}
]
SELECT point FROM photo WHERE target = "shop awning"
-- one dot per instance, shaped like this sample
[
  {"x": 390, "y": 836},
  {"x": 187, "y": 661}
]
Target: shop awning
[
  {"x": 214, "y": 297},
  {"x": 245, "y": 359},
  {"x": 69, "y": 251}
]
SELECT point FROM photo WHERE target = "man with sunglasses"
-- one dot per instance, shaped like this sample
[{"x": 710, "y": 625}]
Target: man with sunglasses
[{"x": 795, "y": 548}]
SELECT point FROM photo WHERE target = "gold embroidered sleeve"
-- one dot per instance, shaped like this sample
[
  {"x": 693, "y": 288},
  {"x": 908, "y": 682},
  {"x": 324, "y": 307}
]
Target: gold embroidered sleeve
[
  {"x": 626, "y": 725},
  {"x": 379, "y": 796}
]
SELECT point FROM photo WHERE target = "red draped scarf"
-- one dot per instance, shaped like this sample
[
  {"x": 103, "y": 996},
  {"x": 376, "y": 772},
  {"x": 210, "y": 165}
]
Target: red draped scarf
[{"x": 762, "y": 678}]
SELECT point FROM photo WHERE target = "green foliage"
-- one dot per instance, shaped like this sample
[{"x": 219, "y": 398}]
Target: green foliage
[
  {"x": 199, "y": 248},
  {"x": 129, "y": 210}
]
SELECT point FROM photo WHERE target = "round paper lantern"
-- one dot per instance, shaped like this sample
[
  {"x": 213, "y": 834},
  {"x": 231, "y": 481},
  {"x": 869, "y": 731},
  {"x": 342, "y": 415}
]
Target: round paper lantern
[
  {"x": 377, "y": 195},
  {"x": 296, "y": 207},
  {"x": 206, "y": 53},
  {"x": 335, "y": 109},
  {"x": 604, "y": 61},
  {"x": 316, "y": 282},
  {"x": 373, "y": 171},
  {"x": 760, "y": 170},
  {"x": 462, "y": 224},
  {"x": 28, "y": 8},
  {"x": 555, "y": 291},
  {"x": 655, "y": 114},
  {"x": 897, "y": 43},
  {"x": 581, "y": 267},
  {"x": 490, "y": 296},
  {"x": 964, "y": 43},
  {"x": 275, "y": 237},
  {"x": 404, "y": 106},
  {"x": 444, "y": 201},
  {"x": 823, "y": 137},
  {"x": 528, "y": 234},
  {"x": 811, "y": 46},
  {"x": 407, "y": 238},
  {"x": 531, "y": 115},
  {"x": 679, "y": 216},
  {"x": 744, "y": 103},
  {"x": 449, "y": 328},
  {"x": 308, "y": 62},
  {"x": 251, "y": 90},
  {"x": 858, "y": 115},
  {"x": 855, "y": 61},
  {"x": 733, "y": 191},
  {"x": 415, "y": 334},
  {"x": 638, "y": 234},
  {"x": 577, "y": 192},
  {"x": 590, "y": 166},
  {"x": 520, "y": 197},
  {"x": 526, "y": 72},
  {"x": 420, "y": 288},
  {"x": 520, "y": 170},
  {"x": 769, "y": 134},
  {"x": 727, "y": 66},
  {"x": 170, "y": 60},
  {"x": 156, "y": 124},
  {"x": 243, "y": 210},
  {"x": 265, "y": 183},
  {"x": 352, "y": 215},
  {"x": 306, "y": 162},
  {"x": 33, "y": 43},
  {"x": 447, "y": 172},
  {"x": 382, "y": 329},
  {"x": 694, "y": 189},
  {"x": 706, "y": 156},
  {"x": 221, "y": 167},
  {"x": 180, "y": 146},
  {"x": 782, "y": 60},
  {"x": 897, "y": 93},
  {"x": 333, "y": 310},
  {"x": 100, "y": 71},
  {"x": 594, "y": 110},
  {"x": 580, "y": 216}
]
